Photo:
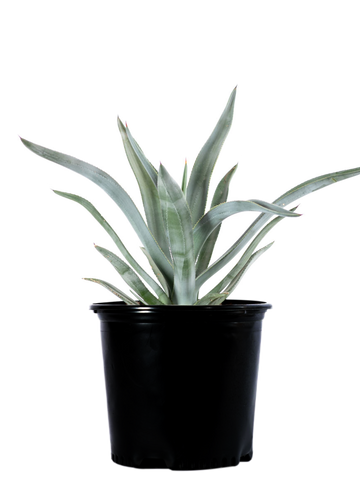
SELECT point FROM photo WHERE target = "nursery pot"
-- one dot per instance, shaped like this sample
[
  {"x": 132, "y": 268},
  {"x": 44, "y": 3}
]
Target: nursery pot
[{"x": 181, "y": 382}]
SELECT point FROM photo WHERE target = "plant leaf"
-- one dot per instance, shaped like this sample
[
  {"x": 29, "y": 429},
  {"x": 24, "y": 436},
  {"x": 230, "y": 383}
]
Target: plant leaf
[
  {"x": 235, "y": 276},
  {"x": 117, "y": 193},
  {"x": 218, "y": 214},
  {"x": 102, "y": 285},
  {"x": 96, "y": 214},
  {"x": 159, "y": 276},
  {"x": 178, "y": 228},
  {"x": 129, "y": 276},
  {"x": 291, "y": 195},
  {"x": 212, "y": 298},
  {"x": 220, "y": 196},
  {"x": 148, "y": 190},
  {"x": 184, "y": 179},
  {"x": 199, "y": 181},
  {"x": 138, "y": 151}
]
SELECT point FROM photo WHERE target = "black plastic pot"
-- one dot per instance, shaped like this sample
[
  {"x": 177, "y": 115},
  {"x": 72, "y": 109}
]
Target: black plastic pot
[{"x": 181, "y": 382}]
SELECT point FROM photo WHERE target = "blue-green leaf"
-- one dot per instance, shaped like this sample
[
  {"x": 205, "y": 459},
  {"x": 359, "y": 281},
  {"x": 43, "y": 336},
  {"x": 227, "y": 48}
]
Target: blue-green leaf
[
  {"x": 197, "y": 190},
  {"x": 295, "y": 194},
  {"x": 146, "y": 177},
  {"x": 113, "y": 189},
  {"x": 178, "y": 228},
  {"x": 104, "y": 286},
  {"x": 220, "y": 196},
  {"x": 218, "y": 214},
  {"x": 94, "y": 212},
  {"x": 129, "y": 276}
]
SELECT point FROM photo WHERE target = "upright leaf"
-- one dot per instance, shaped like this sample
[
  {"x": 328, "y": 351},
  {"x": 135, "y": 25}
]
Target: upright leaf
[
  {"x": 197, "y": 191},
  {"x": 220, "y": 196},
  {"x": 178, "y": 228},
  {"x": 146, "y": 177}
]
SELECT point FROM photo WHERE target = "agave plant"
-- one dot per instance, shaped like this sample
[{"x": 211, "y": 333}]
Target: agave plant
[{"x": 178, "y": 235}]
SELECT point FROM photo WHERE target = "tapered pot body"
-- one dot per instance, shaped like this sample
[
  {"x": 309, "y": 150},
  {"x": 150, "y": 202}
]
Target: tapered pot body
[{"x": 181, "y": 382}]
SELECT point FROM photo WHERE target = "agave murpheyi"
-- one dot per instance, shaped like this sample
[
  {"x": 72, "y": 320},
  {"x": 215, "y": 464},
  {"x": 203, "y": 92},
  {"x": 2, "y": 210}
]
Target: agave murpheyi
[{"x": 178, "y": 236}]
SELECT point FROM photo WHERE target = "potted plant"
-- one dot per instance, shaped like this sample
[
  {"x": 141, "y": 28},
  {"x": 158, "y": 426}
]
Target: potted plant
[{"x": 180, "y": 369}]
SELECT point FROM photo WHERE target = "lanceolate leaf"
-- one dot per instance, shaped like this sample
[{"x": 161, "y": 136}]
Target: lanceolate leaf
[
  {"x": 184, "y": 179},
  {"x": 315, "y": 184},
  {"x": 216, "y": 215},
  {"x": 217, "y": 298},
  {"x": 246, "y": 261},
  {"x": 294, "y": 194},
  {"x": 129, "y": 276},
  {"x": 198, "y": 186},
  {"x": 158, "y": 274},
  {"x": 117, "y": 193},
  {"x": 106, "y": 286},
  {"x": 139, "y": 152},
  {"x": 178, "y": 227},
  {"x": 148, "y": 192},
  {"x": 96, "y": 214},
  {"x": 212, "y": 298},
  {"x": 220, "y": 196}
]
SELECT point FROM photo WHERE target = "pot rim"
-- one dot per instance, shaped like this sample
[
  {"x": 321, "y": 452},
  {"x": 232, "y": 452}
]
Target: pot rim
[{"x": 230, "y": 306}]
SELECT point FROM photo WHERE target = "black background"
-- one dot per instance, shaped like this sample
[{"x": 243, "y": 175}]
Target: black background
[{"x": 286, "y": 128}]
